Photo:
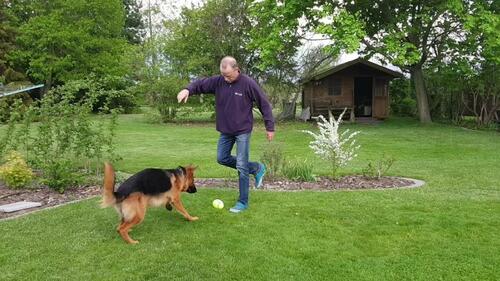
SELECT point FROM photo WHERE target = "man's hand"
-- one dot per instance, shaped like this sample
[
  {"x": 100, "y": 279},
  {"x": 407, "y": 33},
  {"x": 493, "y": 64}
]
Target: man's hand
[
  {"x": 183, "y": 96},
  {"x": 270, "y": 135}
]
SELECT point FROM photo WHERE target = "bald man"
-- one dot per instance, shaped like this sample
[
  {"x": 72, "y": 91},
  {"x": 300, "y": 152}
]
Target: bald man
[{"x": 235, "y": 95}]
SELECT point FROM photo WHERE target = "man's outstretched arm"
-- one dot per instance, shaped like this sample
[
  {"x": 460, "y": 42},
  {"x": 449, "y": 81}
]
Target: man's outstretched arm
[{"x": 200, "y": 86}]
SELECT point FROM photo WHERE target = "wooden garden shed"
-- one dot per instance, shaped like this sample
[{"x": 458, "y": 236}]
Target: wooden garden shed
[{"x": 359, "y": 85}]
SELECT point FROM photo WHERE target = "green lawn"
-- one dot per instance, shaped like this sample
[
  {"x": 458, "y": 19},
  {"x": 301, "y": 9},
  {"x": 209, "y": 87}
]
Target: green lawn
[{"x": 447, "y": 230}]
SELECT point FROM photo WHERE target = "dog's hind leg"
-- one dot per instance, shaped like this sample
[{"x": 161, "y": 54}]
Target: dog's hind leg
[
  {"x": 134, "y": 210},
  {"x": 121, "y": 222},
  {"x": 125, "y": 228}
]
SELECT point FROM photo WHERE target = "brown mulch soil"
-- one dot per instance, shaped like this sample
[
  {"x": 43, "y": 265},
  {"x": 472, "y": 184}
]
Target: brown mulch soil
[
  {"x": 322, "y": 183},
  {"x": 49, "y": 197}
]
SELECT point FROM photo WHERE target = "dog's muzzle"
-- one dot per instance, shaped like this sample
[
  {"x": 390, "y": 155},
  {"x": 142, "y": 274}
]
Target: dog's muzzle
[{"x": 191, "y": 189}]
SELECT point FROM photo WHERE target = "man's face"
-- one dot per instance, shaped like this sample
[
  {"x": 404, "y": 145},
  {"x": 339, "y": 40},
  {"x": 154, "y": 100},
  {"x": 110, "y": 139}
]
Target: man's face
[{"x": 230, "y": 73}]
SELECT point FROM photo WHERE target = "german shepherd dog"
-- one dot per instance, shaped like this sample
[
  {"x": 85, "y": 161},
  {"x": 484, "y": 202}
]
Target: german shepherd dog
[{"x": 149, "y": 187}]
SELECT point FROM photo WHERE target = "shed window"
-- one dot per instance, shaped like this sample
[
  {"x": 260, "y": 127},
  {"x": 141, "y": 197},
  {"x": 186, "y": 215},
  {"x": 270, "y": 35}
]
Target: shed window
[{"x": 335, "y": 87}]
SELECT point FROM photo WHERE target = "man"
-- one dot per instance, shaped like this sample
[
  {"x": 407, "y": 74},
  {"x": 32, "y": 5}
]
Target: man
[{"x": 235, "y": 94}]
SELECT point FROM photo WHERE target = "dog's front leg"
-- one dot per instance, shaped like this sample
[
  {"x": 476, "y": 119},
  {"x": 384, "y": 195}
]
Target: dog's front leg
[{"x": 178, "y": 205}]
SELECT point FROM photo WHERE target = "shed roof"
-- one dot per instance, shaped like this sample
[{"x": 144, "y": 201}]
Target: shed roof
[
  {"x": 7, "y": 91},
  {"x": 336, "y": 68}
]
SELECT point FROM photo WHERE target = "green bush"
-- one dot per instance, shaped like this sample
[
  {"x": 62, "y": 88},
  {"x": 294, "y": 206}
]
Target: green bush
[
  {"x": 161, "y": 94},
  {"x": 272, "y": 156},
  {"x": 6, "y": 103},
  {"x": 103, "y": 94},
  {"x": 66, "y": 143},
  {"x": 15, "y": 172},
  {"x": 403, "y": 100},
  {"x": 298, "y": 171},
  {"x": 165, "y": 98},
  {"x": 153, "y": 118},
  {"x": 379, "y": 168},
  {"x": 14, "y": 136},
  {"x": 59, "y": 174}
]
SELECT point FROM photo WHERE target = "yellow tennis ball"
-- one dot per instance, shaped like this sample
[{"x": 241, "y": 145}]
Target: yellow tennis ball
[{"x": 218, "y": 204}]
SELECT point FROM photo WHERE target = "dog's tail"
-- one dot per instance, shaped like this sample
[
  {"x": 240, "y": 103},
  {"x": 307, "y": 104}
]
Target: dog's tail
[{"x": 108, "y": 196}]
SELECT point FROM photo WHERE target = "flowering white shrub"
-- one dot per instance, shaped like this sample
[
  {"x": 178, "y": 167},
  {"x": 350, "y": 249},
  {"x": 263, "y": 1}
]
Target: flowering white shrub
[{"x": 329, "y": 145}]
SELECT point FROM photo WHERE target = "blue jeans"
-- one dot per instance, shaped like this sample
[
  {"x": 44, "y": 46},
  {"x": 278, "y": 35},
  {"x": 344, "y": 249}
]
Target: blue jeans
[{"x": 240, "y": 162}]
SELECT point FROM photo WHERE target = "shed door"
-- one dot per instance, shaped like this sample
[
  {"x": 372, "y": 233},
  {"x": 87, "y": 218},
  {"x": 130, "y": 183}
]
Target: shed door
[
  {"x": 380, "y": 98},
  {"x": 363, "y": 88}
]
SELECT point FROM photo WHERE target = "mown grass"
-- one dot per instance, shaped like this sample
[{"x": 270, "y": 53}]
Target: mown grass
[{"x": 447, "y": 230}]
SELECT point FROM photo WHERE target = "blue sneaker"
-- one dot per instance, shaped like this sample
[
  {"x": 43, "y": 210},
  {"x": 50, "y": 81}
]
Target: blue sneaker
[
  {"x": 259, "y": 177},
  {"x": 239, "y": 207}
]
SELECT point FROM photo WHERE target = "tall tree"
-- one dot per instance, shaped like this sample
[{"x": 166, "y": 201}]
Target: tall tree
[
  {"x": 68, "y": 39},
  {"x": 408, "y": 33},
  {"x": 134, "y": 30},
  {"x": 7, "y": 36},
  {"x": 196, "y": 41}
]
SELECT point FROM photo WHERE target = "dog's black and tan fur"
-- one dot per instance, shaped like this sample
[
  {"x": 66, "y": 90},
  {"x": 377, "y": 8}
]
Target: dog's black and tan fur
[{"x": 149, "y": 187}]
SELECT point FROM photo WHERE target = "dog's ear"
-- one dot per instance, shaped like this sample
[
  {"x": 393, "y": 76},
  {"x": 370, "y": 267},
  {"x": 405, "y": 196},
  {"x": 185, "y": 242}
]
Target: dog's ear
[{"x": 191, "y": 167}]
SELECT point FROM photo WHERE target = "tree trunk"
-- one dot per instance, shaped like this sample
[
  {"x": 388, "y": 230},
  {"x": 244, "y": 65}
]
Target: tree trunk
[{"x": 417, "y": 76}]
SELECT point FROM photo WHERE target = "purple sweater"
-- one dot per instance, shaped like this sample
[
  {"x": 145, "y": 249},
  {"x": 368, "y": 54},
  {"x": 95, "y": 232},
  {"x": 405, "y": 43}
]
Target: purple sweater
[{"x": 234, "y": 102}]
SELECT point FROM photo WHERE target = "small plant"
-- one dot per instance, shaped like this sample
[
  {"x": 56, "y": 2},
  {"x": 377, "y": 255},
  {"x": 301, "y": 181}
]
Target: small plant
[
  {"x": 153, "y": 118},
  {"x": 272, "y": 156},
  {"x": 15, "y": 172},
  {"x": 379, "y": 168},
  {"x": 59, "y": 175},
  {"x": 330, "y": 145},
  {"x": 298, "y": 170}
]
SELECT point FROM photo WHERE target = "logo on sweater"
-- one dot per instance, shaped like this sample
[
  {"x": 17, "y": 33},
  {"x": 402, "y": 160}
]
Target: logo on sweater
[{"x": 238, "y": 94}]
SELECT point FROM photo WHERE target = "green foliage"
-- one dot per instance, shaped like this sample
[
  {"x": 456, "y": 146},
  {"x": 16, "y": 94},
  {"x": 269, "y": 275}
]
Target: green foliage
[
  {"x": 346, "y": 26},
  {"x": 103, "y": 94},
  {"x": 10, "y": 75},
  {"x": 379, "y": 168},
  {"x": 274, "y": 37},
  {"x": 66, "y": 143},
  {"x": 59, "y": 174},
  {"x": 162, "y": 95},
  {"x": 20, "y": 101},
  {"x": 273, "y": 157},
  {"x": 8, "y": 141},
  {"x": 409, "y": 34},
  {"x": 278, "y": 90},
  {"x": 402, "y": 97},
  {"x": 195, "y": 42},
  {"x": 8, "y": 33},
  {"x": 66, "y": 40},
  {"x": 15, "y": 172},
  {"x": 483, "y": 24},
  {"x": 477, "y": 94},
  {"x": 134, "y": 23},
  {"x": 298, "y": 170}
]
